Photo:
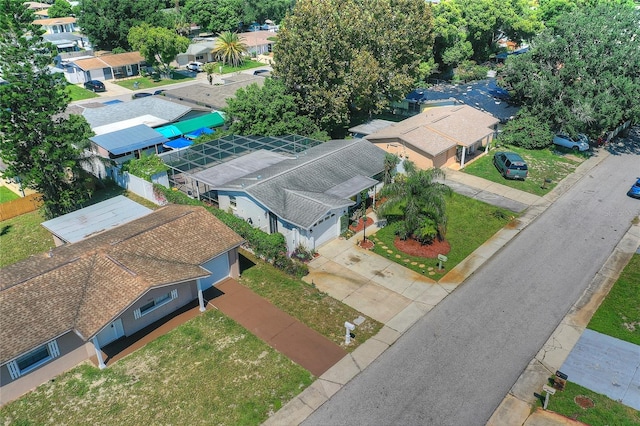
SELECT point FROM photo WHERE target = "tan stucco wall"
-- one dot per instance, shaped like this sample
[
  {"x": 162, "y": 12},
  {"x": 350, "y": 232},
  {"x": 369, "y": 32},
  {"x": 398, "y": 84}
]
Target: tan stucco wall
[{"x": 72, "y": 352}]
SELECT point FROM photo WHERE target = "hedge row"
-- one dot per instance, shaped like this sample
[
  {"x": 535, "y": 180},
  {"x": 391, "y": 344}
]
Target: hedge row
[{"x": 270, "y": 247}]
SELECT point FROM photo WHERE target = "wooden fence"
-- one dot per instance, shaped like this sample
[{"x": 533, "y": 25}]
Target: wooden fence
[{"x": 20, "y": 206}]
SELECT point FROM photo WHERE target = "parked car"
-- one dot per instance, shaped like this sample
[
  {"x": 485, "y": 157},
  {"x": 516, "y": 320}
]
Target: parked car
[
  {"x": 261, "y": 72},
  {"x": 635, "y": 190},
  {"x": 141, "y": 95},
  {"x": 159, "y": 92},
  {"x": 510, "y": 165},
  {"x": 580, "y": 143},
  {"x": 195, "y": 66},
  {"x": 94, "y": 86}
]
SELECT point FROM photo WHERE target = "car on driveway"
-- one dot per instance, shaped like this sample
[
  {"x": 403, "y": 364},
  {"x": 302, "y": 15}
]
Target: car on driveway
[
  {"x": 195, "y": 66},
  {"x": 635, "y": 190},
  {"x": 510, "y": 165},
  {"x": 579, "y": 143},
  {"x": 95, "y": 86}
]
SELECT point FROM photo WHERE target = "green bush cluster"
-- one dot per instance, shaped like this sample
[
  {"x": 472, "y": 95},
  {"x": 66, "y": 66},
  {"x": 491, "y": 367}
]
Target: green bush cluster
[
  {"x": 270, "y": 247},
  {"x": 469, "y": 71},
  {"x": 145, "y": 166}
]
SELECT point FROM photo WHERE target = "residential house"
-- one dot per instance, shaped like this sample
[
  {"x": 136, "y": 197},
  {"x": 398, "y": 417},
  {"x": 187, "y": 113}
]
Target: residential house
[
  {"x": 61, "y": 308},
  {"x": 105, "y": 67},
  {"x": 306, "y": 197},
  {"x": 65, "y": 24},
  {"x": 439, "y": 136},
  {"x": 257, "y": 42}
]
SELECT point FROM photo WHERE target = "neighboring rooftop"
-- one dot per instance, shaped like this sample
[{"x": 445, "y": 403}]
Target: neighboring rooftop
[
  {"x": 437, "y": 129},
  {"x": 129, "y": 139},
  {"x": 370, "y": 127},
  {"x": 83, "y": 286},
  {"x": 81, "y": 224},
  {"x": 164, "y": 110},
  {"x": 110, "y": 61},
  {"x": 213, "y": 96}
]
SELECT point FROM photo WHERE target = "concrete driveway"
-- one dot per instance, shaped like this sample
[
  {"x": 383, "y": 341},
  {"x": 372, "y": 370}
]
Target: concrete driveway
[{"x": 376, "y": 286}]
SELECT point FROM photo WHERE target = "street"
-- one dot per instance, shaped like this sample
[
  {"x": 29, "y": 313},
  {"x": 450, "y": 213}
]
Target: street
[{"x": 456, "y": 364}]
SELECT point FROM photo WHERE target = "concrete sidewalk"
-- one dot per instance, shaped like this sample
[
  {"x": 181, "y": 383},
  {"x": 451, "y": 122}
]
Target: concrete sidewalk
[{"x": 398, "y": 297}]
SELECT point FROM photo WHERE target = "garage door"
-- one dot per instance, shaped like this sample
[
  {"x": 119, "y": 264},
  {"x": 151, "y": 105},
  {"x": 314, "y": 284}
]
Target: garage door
[{"x": 219, "y": 268}]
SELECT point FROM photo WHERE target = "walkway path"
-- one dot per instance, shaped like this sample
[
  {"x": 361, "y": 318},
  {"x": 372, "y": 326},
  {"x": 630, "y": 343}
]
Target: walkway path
[{"x": 281, "y": 331}]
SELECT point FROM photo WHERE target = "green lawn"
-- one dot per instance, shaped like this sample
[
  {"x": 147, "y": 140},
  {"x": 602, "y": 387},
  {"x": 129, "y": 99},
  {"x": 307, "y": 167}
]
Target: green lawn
[
  {"x": 619, "y": 314},
  {"x": 470, "y": 224},
  {"x": 544, "y": 164},
  {"x": 7, "y": 195},
  {"x": 78, "y": 93},
  {"x": 209, "y": 370},
  {"x": 23, "y": 236},
  {"x": 310, "y": 306},
  {"x": 150, "y": 83},
  {"x": 605, "y": 411}
]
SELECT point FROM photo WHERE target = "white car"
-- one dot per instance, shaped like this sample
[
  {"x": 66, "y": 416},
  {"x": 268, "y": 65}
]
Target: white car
[
  {"x": 580, "y": 143},
  {"x": 195, "y": 66}
]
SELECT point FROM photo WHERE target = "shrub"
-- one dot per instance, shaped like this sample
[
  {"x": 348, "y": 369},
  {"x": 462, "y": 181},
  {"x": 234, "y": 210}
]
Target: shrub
[
  {"x": 145, "y": 166},
  {"x": 526, "y": 131},
  {"x": 469, "y": 71}
]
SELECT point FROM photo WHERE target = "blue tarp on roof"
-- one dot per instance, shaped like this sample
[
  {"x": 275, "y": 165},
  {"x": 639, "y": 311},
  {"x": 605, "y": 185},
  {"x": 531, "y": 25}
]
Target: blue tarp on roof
[
  {"x": 169, "y": 131},
  {"x": 129, "y": 140},
  {"x": 179, "y": 143},
  {"x": 201, "y": 131}
]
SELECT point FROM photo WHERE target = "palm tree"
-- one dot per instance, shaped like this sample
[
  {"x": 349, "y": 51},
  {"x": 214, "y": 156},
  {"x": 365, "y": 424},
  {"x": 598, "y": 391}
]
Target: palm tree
[
  {"x": 417, "y": 202},
  {"x": 229, "y": 49}
]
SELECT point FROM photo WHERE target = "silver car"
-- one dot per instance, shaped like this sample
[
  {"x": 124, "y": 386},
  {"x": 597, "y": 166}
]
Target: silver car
[{"x": 580, "y": 143}]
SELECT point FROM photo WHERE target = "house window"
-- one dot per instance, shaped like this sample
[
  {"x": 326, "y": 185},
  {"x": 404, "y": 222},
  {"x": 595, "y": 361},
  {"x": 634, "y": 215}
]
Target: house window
[
  {"x": 232, "y": 201},
  {"x": 155, "y": 304},
  {"x": 33, "y": 359}
]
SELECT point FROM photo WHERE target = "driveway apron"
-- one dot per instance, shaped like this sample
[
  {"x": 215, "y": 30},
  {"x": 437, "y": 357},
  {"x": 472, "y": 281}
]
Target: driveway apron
[{"x": 281, "y": 331}]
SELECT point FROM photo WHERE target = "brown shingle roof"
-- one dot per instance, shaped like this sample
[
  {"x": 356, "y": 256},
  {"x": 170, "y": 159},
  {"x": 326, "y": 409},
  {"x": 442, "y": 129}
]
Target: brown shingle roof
[
  {"x": 83, "y": 286},
  {"x": 56, "y": 21},
  {"x": 106, "y": 61},
  {"x": 437, "y": 129}
]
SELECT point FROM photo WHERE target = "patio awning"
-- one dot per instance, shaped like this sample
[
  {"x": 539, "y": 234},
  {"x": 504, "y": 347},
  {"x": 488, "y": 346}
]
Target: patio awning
[
  {"x": 215, "y": 119},
  {"x": 199, "y": 132},
  {"x": 178, "y": 143}
]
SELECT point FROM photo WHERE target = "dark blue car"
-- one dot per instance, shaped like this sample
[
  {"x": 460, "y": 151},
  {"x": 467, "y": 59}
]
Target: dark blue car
[{"x": 635, "y": 190}]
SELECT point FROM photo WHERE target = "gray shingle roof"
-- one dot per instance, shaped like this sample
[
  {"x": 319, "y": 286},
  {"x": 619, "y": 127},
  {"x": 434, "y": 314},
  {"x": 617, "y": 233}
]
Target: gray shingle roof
[
  {"x": 83, "y": 286},
  {"x": 151, "y": 105},
  {"x": 302, "y": 190}
]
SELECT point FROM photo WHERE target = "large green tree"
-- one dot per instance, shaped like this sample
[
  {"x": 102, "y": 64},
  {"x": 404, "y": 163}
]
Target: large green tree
[
  {"x": 39, "y": 149},
  {"x": 158, "y": 45},
  {"x": 215, "y": 16},
  {"x": 268, "y": 111},
  {"x": 107, "y": 22},
  {"x": 59, "y": 9},
  {"x": 583, "y": 75},
  {"x": 471, "y": 28},
  {"x": 352, "y": 56},
  {"x": 417, "y": 203}
]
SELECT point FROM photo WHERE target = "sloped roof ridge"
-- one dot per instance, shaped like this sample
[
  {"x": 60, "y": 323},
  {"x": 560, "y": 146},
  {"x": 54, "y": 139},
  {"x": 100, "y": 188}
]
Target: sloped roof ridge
[
  {"x": 308, "y": 161},
  {"x": 32, "y": 276},
  {"x": 151, "y": 228},
  {"x": 85, "y": 287}
]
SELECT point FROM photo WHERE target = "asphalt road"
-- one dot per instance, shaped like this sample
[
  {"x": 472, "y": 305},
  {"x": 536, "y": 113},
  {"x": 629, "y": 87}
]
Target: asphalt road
[{"x": 456, "y": 364}]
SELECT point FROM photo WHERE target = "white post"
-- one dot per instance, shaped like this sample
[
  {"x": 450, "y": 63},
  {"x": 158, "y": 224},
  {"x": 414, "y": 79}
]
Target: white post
[
  {"x": 96, "y": 346},
  {"x": 464, "y": 151},
  {"x": 349, "y": 328},
  {"x": 201, "y": 300}
]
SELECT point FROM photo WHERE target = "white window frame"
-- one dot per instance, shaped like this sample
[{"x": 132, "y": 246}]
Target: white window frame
[
  {"x": 52, "y": 350},
  {"x": 157, "y": 303}
]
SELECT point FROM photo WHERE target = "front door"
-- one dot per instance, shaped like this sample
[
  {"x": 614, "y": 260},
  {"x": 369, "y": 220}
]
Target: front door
[
  {"x": 129, "y": 70},
  {"x": 112, "y": 332}
]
